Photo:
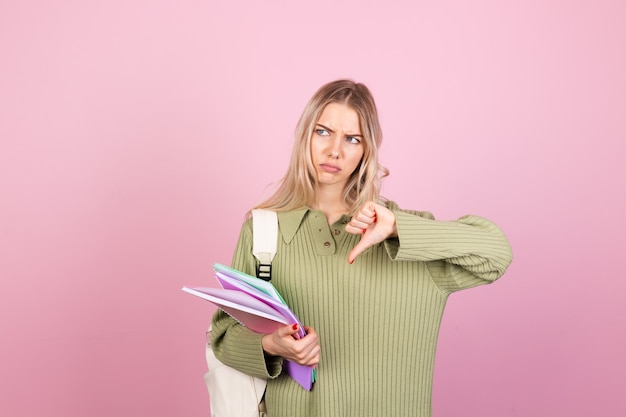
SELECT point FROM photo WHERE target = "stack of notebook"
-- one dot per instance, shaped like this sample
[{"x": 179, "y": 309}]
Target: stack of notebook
[{"x": 257, "y": 305}]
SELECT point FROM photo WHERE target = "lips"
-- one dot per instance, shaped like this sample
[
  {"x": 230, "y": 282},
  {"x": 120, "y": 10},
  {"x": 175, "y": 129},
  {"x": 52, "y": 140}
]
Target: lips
[{"x": 330, "y": 168}]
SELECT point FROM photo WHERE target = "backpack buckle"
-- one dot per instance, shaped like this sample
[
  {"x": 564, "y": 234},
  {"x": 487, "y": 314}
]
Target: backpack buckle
[{"x": 264, "y": 271}]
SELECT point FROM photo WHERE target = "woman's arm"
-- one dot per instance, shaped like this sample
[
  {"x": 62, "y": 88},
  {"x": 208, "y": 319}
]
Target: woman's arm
[
  {"x": 253, "y": 353},
  {"x": 233, "y": 344},
  {"x": 459, "y": 254}
]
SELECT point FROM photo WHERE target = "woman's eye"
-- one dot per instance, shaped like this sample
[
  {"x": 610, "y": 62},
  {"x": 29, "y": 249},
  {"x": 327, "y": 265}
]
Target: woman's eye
[
  {"x": 353, "y": 140},
  {"x": 322, "y": 132}
]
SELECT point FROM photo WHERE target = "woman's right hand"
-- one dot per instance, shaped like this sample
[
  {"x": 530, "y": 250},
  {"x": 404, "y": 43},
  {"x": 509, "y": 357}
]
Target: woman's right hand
[{"x": 283, "y": 342}]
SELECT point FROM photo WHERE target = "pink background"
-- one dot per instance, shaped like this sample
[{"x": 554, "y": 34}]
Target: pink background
[{"x": 135, "y": 135}]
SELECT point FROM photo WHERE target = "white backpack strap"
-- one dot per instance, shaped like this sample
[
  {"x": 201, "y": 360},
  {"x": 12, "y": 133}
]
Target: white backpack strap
[{"x": 264, "y": 237}]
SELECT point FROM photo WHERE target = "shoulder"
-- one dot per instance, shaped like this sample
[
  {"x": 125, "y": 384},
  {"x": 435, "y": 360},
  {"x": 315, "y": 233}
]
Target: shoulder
[
  {"x": 245, "y": 231},
  {"x": 393, "y": 206}
]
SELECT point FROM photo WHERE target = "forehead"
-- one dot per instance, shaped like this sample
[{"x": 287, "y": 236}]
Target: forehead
[{"x": 339, "y": 116}]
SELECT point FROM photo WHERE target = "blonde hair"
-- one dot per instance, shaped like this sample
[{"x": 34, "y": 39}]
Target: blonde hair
[{"x": 297, "y": 187}]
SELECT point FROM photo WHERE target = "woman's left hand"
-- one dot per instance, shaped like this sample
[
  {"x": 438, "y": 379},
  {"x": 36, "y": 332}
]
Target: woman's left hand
[{"x": 375, "y": 222}]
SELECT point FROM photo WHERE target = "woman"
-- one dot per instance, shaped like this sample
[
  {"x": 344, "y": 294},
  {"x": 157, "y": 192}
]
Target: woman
[{"x": 369, "y": 280}]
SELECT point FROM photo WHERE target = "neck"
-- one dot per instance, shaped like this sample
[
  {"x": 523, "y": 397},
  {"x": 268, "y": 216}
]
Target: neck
[{"x": 329, "y": 202}]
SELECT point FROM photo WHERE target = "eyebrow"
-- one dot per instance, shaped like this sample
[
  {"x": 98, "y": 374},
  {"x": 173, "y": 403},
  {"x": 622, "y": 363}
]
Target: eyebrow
[{"x": 356, "y": 135}]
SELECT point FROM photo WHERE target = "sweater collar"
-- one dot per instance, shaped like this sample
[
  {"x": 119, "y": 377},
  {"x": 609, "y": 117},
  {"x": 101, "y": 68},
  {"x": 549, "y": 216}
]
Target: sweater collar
[{"x": 290, "y": 221}]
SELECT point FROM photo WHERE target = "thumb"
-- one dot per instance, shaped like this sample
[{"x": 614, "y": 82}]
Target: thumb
[
  {"x": 289, "y": 330},
  {"x": 358, "y": 249}
]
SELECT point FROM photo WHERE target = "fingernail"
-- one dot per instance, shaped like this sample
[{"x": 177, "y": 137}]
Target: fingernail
[
  {"x": 350, "y": 262},
  {"x": 295, "y": 327},
  {"x": 364, "y": 230}
]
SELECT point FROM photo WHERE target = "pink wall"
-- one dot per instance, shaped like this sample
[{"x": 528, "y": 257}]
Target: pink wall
[{"x": 132, "y": 138}]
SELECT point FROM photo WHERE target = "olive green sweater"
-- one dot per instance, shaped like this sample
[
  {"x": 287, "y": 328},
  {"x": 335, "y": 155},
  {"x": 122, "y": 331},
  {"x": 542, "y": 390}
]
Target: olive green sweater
[{"x": 377, "y": 319}]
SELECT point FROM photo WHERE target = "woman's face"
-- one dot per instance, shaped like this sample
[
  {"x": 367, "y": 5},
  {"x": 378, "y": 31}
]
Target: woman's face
[{"x": 336, "y": 145}]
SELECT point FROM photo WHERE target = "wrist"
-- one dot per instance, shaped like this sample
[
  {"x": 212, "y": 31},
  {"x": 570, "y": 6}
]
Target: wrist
[
  {"x": 394, "y": 232},
  {"x": 267, "y": 345},
  {"x": 394, "y": 226}
]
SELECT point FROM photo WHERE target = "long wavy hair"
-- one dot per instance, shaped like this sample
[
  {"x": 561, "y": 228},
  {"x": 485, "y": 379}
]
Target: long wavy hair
[{"x": 297, "y": 188}]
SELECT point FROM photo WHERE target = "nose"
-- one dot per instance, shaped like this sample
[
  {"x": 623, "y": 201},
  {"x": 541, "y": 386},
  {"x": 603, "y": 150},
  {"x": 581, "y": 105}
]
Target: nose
[{"x": 335, "y": 148}]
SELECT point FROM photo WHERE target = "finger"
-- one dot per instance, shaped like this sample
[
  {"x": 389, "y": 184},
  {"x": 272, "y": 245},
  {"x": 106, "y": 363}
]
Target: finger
[
  {"x": 365, "y": 216},
  {"x": 313, "y": 358},
  {"x": 363, "y": 222},
  {"x": 355, "y": 230},
  {"x": 310, "y": 357},
  {"x": 308, "y": 351},
  {"x": 288, "y": 330},
  {"x": 357, "y": 225},
  {"x": 369, "y": 208},
  {"x": 357, "y": 250},
  {"x": 363, "y": 219},
  {"x": 310, "y": 331}
]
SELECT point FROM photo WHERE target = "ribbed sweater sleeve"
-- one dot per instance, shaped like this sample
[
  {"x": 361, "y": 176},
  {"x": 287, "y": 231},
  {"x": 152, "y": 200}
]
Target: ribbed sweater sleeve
[{"x": 459, "y": 254}]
